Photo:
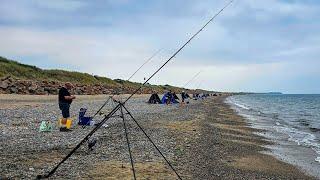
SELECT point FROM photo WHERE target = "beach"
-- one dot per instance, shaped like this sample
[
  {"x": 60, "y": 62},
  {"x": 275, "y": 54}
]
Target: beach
[{"x": 205, "y": 139}]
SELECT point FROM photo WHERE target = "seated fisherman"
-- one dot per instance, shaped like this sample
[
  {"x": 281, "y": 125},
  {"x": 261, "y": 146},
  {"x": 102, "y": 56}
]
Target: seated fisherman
[
  {"x": 65, "y": 100},
  {"x": 169, "y": 97},
  {"x": 183, "y": 97}
]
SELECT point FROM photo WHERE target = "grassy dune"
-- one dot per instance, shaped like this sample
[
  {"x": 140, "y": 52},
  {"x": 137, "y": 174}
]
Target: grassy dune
[{"x": 29, "y": 72}]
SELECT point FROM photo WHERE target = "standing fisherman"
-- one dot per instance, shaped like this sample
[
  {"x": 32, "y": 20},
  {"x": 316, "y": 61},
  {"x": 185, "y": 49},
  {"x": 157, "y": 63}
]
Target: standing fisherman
[
  {"x": 65, "y": 99},
  {"x": 119, "y": 106}
]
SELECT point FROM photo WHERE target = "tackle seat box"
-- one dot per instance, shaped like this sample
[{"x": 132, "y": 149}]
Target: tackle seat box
[{"x": 83, "y": 120}]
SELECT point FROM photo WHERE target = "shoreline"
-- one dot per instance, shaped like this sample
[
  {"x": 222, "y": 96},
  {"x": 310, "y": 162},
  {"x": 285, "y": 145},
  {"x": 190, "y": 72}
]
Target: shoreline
[
  {"x": 205, "y": 139},
  {"x": 283, "y": 147},
  {"x": 236, "y": 150}
]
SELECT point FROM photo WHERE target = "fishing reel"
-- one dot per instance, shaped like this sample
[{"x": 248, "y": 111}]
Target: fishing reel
[{"x": 91, "y": 144}]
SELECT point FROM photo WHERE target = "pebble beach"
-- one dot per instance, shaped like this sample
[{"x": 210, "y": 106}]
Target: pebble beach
[{"x": 204, "y": 139}]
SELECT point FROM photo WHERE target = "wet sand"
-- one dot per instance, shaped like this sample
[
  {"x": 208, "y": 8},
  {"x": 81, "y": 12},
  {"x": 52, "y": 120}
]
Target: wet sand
[
  {"x": 228, "y": 149},
  {"x": 205, "y": 139}
]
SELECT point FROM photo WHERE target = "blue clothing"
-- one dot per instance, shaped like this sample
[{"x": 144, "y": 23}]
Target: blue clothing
[{"x": 168, "y": 97}]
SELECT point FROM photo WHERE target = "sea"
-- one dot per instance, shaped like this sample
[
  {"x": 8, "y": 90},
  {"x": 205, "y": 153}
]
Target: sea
[{"x": 291, "y": 122}]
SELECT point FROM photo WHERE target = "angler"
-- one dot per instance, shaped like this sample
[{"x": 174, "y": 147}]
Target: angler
[{"x": 122, "y": 105}]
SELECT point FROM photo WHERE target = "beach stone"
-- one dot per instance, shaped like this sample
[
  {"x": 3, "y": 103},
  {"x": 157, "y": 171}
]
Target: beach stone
[
  {"x": 4, "y": 84},
  {"x": 14, "y": 90},
  {"x": 33, "y": 87},
  {"x": 50, "y": 90}
]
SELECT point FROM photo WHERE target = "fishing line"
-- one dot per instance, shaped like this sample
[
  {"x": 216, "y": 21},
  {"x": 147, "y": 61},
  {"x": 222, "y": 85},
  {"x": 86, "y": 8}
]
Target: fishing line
[
  {"x": 192, "y": 79},
  {"x": 110, "y": 97}
]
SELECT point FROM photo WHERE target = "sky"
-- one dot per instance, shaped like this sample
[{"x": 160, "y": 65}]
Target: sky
[{"x": 253, "y": 46}]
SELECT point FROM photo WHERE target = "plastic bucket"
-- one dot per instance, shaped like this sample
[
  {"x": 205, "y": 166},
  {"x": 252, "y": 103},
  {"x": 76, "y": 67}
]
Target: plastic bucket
[{"x": 69, "y": 123}]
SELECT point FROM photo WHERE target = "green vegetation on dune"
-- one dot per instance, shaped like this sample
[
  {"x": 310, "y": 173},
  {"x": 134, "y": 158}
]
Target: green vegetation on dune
[
  {"x": 15, "y": 69},
  {"x": 75, "y": 77},
  {"x": 23, "y": 71},
  {"x": 28, "y": 72}
]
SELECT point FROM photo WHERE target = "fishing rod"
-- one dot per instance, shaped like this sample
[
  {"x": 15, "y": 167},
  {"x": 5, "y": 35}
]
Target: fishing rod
[
  {"x": 196, "y": 75},
  {"x": 192, "y": 37},
  {"x": 110, "y": 97},
  {"x": 115, "y": 109},
  {"x": 144, "y": 64},
  {"x": 186, "y": 43}
]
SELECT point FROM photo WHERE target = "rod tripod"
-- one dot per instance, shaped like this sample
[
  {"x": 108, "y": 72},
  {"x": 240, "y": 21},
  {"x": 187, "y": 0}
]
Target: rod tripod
[
  {"x": 123, "y": 108},
  {"x": 121, "y": 104},
  {"x": 123, "y": 113}
]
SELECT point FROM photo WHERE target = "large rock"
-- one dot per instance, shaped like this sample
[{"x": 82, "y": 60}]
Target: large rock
[
  {"x": 33, "y": 87},
  {"x": 20, "y": 86},
  {"x": 13, "y": 90},
  {"x": 51, "y": 90},
  {"x": 40, "y": 91},
  {"x": 4, "y": 84}
]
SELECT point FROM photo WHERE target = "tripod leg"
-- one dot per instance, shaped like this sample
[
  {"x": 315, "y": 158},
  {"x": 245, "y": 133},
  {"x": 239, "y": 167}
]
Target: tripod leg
[
  {"x": 80, "y": 143},
  {"x": 128, "y": 142},
  {"x": 154, "y": 145}
]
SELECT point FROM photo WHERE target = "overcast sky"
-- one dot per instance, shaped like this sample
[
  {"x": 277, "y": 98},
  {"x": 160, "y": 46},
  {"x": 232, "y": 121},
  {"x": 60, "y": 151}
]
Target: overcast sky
[{"x": 254, "y": 45}]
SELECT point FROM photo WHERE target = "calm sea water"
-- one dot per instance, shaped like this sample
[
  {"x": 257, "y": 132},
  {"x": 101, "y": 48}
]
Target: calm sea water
[{"x": 291, "y": 121}]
